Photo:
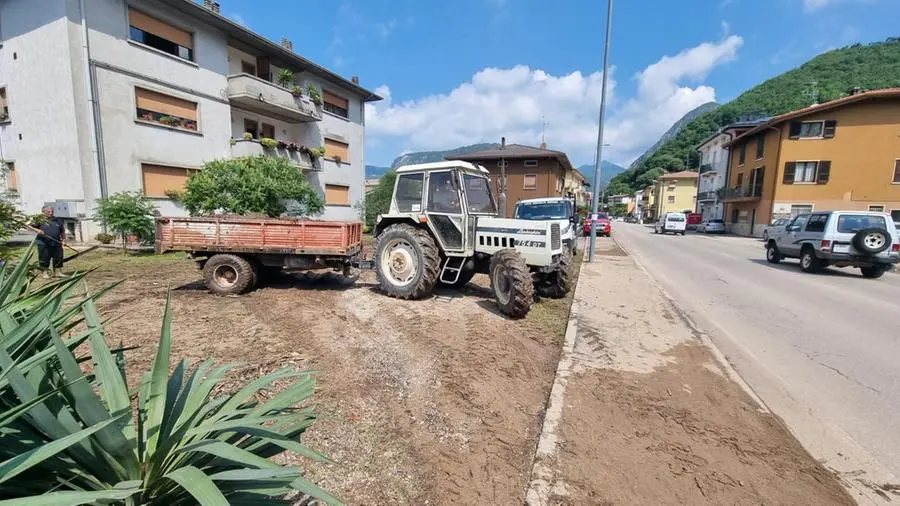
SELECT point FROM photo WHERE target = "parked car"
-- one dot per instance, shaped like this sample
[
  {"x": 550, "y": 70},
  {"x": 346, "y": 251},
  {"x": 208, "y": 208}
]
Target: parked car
[
  {"x": 675, "y": 223},
  {"x": 601, "y": 221},
  {"x": 713, "y": 227},
  {"x": 867, "y": 240},
  {"x": 776, "y": 224}
]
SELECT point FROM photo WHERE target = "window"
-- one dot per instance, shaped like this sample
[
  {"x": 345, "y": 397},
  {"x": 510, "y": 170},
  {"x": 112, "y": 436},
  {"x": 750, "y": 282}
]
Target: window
[
  {"x": 560, "y": 184},
  {"x": 813, "y": 129},
  {"x": 160, "y": 179},
  {"x": 478, "y": 195},
  {"x": 760, "y": 147},
  {"x": 248, "y": 68},
  {"x": 443, "y": 192},
  {"x": 337, "y": 150},
  {"x": 742, "y": 154},
  {"x": 895, "y": 214},
  {"x": 817, "y": 223},
  {"x": 805, "y": 172},
  {"x": 852, "y": 223},
  {"x": 160, "y": 35},
  {"x": 337, "y": 195},
  {"x": 797, "y": 210},
  {"x": 531, "y": 163},
  {"x": 896, "y": 179},
  {"x": 671, "y": 199},
  {"x": 529, "y": 182},
  {"x": 799, "y": 222},
  {"x": 734, "y": 215},
  {"x": 4, "y": 106},
  {"x": 740, "y": 179},
  {"x": 251, "y": 127},
  {"x": 756, "y": 181},
  {"x": 409, "y": 193},
  {"x": 12, "y": 181},
  {"x": 336, "y": 105},
  {"x": 166, "y": 110},
  {"x": 268, "y": 131},
  {"x": 876, "y": 209}
]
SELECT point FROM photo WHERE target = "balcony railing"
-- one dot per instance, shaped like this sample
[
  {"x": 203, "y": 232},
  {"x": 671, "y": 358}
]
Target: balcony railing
[
  {"x": 708, "y": 196},
  {"x": 254, "y": 148},
  {"x": 745, "y": 192},
  {"x": 260, "y": 96}
]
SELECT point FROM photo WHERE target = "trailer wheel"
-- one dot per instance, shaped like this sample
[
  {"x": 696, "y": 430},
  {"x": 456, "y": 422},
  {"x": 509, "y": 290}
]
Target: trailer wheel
[
  {"x": 557, "y": 284},
  {"x": 512, "y": 283},
  {"x": 229, "y": 275},
  {"x": 406, "y": 262}
]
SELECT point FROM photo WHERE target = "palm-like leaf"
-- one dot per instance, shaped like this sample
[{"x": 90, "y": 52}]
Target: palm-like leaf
[{"x": 70, "y": 438}]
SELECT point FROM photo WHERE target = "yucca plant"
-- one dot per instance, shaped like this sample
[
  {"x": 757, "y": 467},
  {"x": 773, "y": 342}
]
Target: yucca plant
[{"x": 69, "y": 438}]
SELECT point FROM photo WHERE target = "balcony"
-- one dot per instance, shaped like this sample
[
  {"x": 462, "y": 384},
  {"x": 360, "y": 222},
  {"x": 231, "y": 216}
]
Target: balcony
[
  {"x": 254, "y": 148},
  {"x": 257, "y": 95},
  {"x": 708, "y": 196},
  {"x": 743, "y": 193}
]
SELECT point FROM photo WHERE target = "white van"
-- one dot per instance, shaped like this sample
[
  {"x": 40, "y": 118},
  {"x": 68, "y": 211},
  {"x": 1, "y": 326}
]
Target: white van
[
  {"x": 671, "y": 222},
  {"x": 559, "y": 209}
]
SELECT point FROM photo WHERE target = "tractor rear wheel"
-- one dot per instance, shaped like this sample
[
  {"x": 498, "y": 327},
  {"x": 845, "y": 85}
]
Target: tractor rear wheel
[
  {"x": 229, "y": 274},
  {"x": 511, "y": 282},
  {"x": 557, "y": 284},
  {"x": 406, "y": 261}
]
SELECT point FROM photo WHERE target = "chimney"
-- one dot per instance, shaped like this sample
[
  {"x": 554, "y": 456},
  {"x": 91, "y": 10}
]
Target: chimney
[
  {"x": 856, "y": 90},
  {"x": 502, "y": 142},
  {"x": 287, "y": 44},
  {"x": 355, "y": 80},
  {"x": 543, "y": 145},
  {"x": 216, "y": 7},
  {"x": 208, "y": 4}
]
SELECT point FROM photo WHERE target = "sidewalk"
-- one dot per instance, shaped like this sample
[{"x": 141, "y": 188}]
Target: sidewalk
[{"x": 642, "y": 412}]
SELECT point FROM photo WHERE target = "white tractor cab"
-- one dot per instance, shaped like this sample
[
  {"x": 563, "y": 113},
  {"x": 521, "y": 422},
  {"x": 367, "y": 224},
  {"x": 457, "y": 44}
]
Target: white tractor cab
[
  {"x": 442, "y": 228},
  {"x": 559, "y": 209}
]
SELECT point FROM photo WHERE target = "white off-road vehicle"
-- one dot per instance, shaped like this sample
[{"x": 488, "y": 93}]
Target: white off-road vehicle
[
  {"x": 559, "y": 209},
  {"x": 442, "y": 228}
]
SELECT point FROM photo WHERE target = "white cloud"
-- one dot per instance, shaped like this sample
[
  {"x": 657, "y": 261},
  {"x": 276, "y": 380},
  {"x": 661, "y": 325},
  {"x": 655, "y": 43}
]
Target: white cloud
[
  {"x": 726, "y": 28},
  {"x": 814, "y": 5},
  {"x": 385, "y": 28},
  {"x": 510, "y": 102}
]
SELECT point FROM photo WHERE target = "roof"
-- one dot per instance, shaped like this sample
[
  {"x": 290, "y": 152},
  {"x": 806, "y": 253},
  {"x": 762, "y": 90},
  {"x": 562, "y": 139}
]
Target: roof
[
  {"x": 827, "y": 106},
  {"x": 253, "y": 39},
  {"x": 450, "y": 164},
  {"x": 737, "y": 125},
  {"x": 513, "y": 152},
  {"x": 679, "y": 175}
]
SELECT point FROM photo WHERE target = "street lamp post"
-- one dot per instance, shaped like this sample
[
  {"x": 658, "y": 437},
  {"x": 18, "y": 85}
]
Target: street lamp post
[{"x": 599, "y": 158}]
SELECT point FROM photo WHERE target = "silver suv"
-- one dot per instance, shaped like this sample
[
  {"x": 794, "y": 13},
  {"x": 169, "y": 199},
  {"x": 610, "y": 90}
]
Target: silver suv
[{"x": 867, "y": 240}]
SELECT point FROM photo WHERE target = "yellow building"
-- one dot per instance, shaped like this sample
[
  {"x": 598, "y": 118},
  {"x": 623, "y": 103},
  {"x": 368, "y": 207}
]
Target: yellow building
[
  {"x": 676, "y": 192},
  {"x": 844, "y": 154}
]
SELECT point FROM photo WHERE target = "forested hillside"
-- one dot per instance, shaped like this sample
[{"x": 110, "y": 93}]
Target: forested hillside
[{"x": 834, "y": 73}]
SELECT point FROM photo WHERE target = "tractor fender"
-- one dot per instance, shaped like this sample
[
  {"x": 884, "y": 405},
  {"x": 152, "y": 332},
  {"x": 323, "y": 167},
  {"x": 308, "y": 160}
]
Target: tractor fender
[{"x": 384, "y": 223}]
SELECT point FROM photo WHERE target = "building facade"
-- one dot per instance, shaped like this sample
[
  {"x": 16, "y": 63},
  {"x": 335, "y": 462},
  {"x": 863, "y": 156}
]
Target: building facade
[
  {"x": 843, "y": 154},
  {"x": 676, "y": 192},
  {"x": 530, "y": 172},
  {"x": 130, "y": 95}
]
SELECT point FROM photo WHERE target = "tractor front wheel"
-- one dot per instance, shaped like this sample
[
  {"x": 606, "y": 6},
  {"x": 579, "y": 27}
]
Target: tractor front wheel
[
  {"x": 557, "y": 284},
  {"x": 511, "y": 282},
  {"x": 406, "y": 261}
]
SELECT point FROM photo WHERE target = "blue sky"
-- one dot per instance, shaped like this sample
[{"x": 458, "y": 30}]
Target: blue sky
[{"x": 472, "y": 70}]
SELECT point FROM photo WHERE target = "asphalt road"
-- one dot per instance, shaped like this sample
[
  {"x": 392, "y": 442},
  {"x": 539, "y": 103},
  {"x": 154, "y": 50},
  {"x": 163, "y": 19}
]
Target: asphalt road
[{"x": 821, "y": 350}]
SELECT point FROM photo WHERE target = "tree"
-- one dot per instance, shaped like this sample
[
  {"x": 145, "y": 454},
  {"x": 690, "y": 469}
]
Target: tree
[
  {"x": 251, "y": 184},
  {"x": 125, "y": 214},
  {"x": 378, "y": 201}
]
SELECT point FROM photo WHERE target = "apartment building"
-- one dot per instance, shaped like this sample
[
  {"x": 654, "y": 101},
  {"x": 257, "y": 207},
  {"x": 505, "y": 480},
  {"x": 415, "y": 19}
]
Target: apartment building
[
  {"x": 531, "y": 172},
  {"x": 575, "y": 186},
  {"x": 714, "y": 167},
  {"x": 843, "y": 154},
  {"x": 103, "y": 96},
  {"x": 676, "y": 192},
  {"x": 648, "y": 204}
]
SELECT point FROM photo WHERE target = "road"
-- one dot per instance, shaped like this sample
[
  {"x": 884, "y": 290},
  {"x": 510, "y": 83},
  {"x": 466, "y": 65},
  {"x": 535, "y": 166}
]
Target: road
[{"x": 822, "y": 351}]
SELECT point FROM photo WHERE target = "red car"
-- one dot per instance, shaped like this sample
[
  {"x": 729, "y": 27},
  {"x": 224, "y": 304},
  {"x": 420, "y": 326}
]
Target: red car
[{"x": 604, "y": 226}]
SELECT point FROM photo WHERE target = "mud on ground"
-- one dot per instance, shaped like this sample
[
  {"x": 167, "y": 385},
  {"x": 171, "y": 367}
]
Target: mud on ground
[{"x": 421, "y": 402}]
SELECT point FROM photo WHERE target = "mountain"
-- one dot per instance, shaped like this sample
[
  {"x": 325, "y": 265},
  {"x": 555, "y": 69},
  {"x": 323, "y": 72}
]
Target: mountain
[
  {"x": 374, "y": 172},
  {"x": 608, "y": 170},
  {"x": 673, "y": 131},
  {"x": 825, "y": 77},
  {"x": 437, "y": 156}
]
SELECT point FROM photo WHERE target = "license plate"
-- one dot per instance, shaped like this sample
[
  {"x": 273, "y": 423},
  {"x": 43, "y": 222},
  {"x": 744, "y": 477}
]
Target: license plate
[{"x": 841, "y": 248}]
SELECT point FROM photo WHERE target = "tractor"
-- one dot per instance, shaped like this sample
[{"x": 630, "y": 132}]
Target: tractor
[{"x": 442, "y": 228}]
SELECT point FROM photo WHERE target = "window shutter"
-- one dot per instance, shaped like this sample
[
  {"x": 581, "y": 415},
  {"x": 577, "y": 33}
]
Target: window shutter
[
  {"x": 789, "y": 169},
  {"x": 830, "y": 128},
  {"x": 159, "y": 28},
  {"x": 795, "y": 129},
  {"x": 896, "y": 171},
  {"x": 334, "y": 147},
  {"x": 824, "y": 172}
]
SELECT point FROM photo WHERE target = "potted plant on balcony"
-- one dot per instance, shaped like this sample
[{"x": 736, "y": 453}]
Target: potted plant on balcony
[
  {"x": 285, "y": 78},
  {"x": 312, "y": 91},
  {"x": 297, "y": 91},
  {"x": 268, "y": 143},
  {"x": 172, "y": 121},
  {"x": 282, "y": 145},
  {"x": 247, "y": 136},
  {"x": 292, "y": 147}
]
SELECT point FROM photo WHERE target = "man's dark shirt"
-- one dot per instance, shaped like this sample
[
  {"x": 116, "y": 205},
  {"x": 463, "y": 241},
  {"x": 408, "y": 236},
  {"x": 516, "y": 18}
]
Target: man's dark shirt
[{"x": 52, "y": 229}]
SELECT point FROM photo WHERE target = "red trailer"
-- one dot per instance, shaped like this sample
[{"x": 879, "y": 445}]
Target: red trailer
[
  {"x": 235, "y": 252},
  {"x": 694, "y": 220}
]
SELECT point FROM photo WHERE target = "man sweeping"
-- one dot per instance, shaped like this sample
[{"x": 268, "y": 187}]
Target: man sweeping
[{"x": 50, "y": 241}]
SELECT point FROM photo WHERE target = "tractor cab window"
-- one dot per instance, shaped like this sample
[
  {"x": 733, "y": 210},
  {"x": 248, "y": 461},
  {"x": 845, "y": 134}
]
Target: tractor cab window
[
  {"x": 478, "y": 195},
  {"x": 443, "y": 193},
  {"x": 409, "y": 193}
]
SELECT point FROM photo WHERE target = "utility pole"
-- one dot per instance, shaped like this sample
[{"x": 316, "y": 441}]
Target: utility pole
[
  {"x": 599, "y": 158},
  {"x": 502, "y": 198}
]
